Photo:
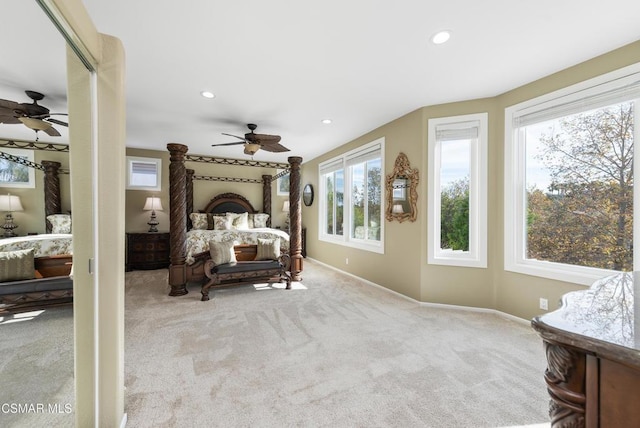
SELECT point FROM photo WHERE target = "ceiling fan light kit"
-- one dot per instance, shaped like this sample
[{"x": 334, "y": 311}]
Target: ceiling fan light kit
[{"x": 253, "y": 142}]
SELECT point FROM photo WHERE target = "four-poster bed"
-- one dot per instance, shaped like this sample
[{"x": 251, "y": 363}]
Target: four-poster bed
[
  {"x": 38, "y": 267},
  {"x": 187, "y": 267}
]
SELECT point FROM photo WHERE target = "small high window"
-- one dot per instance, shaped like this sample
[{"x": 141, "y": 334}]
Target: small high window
[{"x": 144, "y": 173}]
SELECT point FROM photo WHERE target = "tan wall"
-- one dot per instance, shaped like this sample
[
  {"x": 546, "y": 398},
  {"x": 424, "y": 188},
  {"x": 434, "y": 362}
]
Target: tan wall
[
  {"x": 399, "y": 267},
  {"x": 32, "y": 219},
  {"x": 403, "y": 267},
  {"x": 203, "y": 191}
]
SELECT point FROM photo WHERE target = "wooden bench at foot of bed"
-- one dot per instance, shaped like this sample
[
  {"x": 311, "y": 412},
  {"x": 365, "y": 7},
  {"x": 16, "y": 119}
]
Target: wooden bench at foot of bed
[
  {"x": 52, "y": 285},
  {"x": 246, "y": 271}
]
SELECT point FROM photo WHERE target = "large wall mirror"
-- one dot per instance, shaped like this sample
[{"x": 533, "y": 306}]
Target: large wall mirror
[
  {"x": 38, "y": 351},
  {"x": 402, "y": 193}
]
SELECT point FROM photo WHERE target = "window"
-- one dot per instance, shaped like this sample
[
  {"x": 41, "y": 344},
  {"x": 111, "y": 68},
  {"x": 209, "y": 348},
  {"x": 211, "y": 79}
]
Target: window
[
  {"x": 144, "y": 173},
  {"x": 457, "y": 195},
  {"x": 351, "y": 198},
  {"x": 569, "y": 167},
  {"x": 14, "y": 174}
]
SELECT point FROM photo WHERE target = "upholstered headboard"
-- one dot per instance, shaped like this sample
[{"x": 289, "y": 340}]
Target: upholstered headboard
[{"x": 229, "y": 203}]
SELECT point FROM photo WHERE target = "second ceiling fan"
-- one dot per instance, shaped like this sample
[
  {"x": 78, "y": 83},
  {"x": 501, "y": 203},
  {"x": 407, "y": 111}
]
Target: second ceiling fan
[{"x": 254, "y": 142}]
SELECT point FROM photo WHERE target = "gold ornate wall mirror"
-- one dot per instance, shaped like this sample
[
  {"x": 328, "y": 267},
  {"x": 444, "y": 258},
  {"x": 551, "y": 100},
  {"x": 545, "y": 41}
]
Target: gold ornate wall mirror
[{"x": 402, "y": 193}]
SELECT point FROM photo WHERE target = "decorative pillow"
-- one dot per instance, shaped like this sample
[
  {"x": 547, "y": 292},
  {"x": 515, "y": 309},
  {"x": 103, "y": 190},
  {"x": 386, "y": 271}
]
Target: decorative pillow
[
  {"x": 260, "y": 220},
  {"x": 17, "y": 265},
  {"x": 239, "y": 221},
  {"x": 268, "y": 249},
  {"x": 222, "y": 252},
  {"x": 199, "y": 221},
  {"x": 60, "y": 223},
  {"x": 221, "y": 222}
]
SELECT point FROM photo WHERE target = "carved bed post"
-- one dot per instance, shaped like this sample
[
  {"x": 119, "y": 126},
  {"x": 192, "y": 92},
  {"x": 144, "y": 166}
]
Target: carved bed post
[
  {"x": 178, "y": 219},
  {"x": 52, "y": 203},
  {"x": 266, "y": 197},
  {"x": 295, "y": 218},
  {"x": 190, "y": 173}
]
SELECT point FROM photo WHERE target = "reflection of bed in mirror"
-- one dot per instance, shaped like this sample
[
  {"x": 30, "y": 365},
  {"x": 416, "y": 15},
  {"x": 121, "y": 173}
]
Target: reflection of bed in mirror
[{"x": 37, "y": 268}]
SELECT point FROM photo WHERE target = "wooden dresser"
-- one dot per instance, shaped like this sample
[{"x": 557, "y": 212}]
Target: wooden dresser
[
  {"x": 593, "y": 355},
  {"x": 147, "y": 250}
]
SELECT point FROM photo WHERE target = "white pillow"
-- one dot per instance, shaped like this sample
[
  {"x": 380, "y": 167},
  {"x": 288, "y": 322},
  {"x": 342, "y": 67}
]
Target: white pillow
[
  {"x": 239, "y": 221},
  {"x": 60, "y": 223},
  {"x": 221, "y": 222}
]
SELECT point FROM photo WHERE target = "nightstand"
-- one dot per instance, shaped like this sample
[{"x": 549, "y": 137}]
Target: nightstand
[{"x": 147, "y": 250}]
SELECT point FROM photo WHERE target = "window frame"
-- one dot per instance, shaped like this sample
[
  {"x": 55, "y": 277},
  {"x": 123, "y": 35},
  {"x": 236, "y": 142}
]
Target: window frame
[
  {"x": 515, "y": 178},
  {"x": 478, "y": 185},
  {"x": 158, "y": 163},
  {"x": 345, "y": 239}
]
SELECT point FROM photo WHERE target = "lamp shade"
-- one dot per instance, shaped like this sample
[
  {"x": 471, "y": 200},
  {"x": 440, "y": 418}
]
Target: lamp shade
[
  {"x": 153, "y": 203},
  {"x": 10, "y": 203},
  {"x": 285, "y": 207},
  {"x": 397, "y": 209}
]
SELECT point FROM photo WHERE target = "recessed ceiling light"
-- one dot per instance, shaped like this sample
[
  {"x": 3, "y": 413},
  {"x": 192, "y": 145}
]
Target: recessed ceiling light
[
  {"x": 441, "y": 37},
  {"x": 207, "y": 94},
  {"x": 326, "y": 121}
]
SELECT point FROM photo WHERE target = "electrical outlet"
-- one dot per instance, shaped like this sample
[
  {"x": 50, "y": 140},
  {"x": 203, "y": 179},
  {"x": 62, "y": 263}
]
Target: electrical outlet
[
  {"x": 347, "y": 260},
  {"x": 544, "y": 304}
]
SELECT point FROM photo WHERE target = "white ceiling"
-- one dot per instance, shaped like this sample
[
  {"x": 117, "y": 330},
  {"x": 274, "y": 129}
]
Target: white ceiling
[{"x": 286, "y": 65}]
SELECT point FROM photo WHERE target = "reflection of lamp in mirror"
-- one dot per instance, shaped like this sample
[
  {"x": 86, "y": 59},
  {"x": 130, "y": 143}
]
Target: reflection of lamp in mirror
[
  {"x": 152, "y": 204},
  {"x": 397, "y": 209},
  {"x": 285, "y": 209},
  {"x": 10, "y": 203}
]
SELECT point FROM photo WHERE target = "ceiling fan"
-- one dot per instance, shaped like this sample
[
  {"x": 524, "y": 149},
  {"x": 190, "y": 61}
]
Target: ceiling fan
[
  {"x": 32, "y": 115},
  {"x": 254, "y": 142}
]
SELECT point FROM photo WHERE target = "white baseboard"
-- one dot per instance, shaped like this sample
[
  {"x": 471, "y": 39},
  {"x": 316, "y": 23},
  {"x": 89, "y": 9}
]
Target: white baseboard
[
  {"x": 427, "y": 304},
  {"x": 123, "y": 422}
]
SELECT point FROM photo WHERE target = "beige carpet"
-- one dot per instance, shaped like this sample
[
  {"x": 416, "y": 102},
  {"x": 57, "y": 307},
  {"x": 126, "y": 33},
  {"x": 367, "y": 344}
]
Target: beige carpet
[
  {"x": 36, "y": 368},
  {"x": 333, "y": 352}
]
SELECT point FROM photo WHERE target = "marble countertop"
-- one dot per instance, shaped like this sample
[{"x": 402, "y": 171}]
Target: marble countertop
[{"x": 601, "y": 319}]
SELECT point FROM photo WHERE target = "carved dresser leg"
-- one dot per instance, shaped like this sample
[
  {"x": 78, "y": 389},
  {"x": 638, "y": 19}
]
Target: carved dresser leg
[{"x": 565, "y": 378}]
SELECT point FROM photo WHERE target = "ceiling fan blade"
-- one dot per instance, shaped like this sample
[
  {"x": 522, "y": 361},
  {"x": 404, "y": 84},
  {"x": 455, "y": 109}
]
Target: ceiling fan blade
[
  {"x": 51, "y": 131},
  {"x": 8, "y": 119},
  {"x": 57, "y": 122},
  {"x": 231, "y": 135},
  {"x": 228, "y": 144},
  {"x": 274, "y": 148},
  {"x": 12, "y": 105},
  {"x": 262, "y": 138}
]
